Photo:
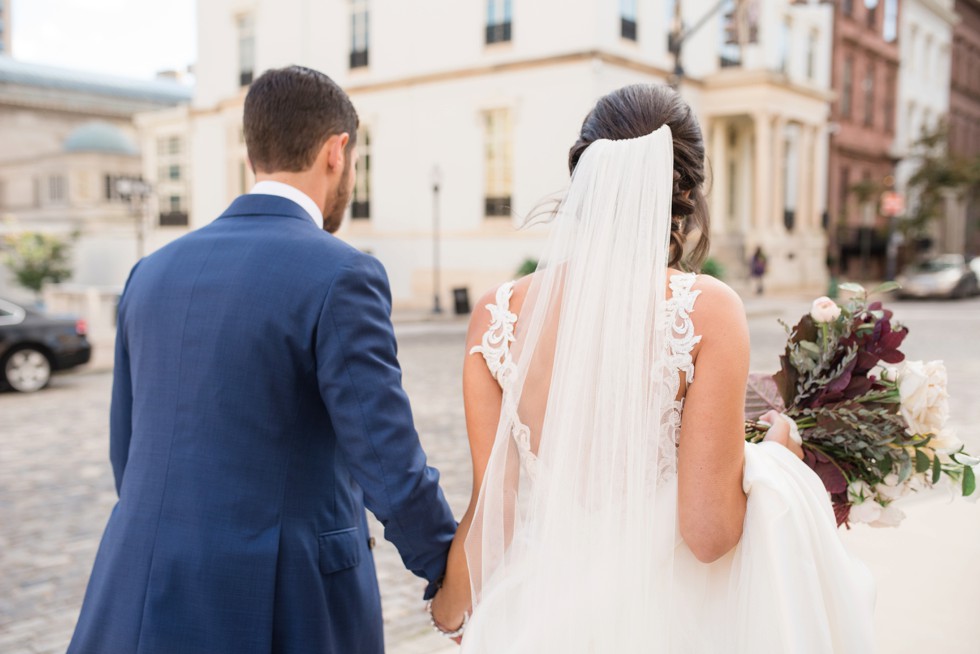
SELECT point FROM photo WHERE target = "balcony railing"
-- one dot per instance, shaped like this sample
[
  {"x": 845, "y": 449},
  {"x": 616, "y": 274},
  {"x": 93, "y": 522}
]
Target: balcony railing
[
  {"x": 359, "y": 59},
  {"x": 360, "y": 210},
  {"x": 497, "y": 206},
  {"x": 499, "y": 33},
  {"x": 174, "y": 219}
]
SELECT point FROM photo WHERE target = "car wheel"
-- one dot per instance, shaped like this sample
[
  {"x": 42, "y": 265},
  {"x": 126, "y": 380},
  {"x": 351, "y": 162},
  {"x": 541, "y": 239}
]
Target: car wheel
[{"x": 27, "y": 369}]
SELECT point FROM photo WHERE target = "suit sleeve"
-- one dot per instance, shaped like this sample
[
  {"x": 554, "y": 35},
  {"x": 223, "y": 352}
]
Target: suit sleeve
[
  {"x": 121, "y": 407},
  {"x": 360, "y": 382}
]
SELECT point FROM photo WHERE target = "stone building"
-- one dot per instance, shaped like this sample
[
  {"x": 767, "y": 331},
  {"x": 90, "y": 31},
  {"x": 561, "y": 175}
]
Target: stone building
[
  {"x": 484, "y": 103},
  {"x": 964, "y": 116},
  {"x": 6, "y": 28},
  {"x": 68, "y": 138}
]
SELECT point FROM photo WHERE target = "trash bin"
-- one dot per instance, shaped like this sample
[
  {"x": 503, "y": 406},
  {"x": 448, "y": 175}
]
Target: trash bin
[{"x": 461, "y": 300}]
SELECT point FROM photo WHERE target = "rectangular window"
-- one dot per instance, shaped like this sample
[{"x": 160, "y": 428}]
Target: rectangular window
[
  {"x": 174, "y": 146},
  {"x": 359, "y": 38},
  {"x": 499, "y": 21},
  {"x": 57, "y": 189},
  {"x": 871, "y": 14},
  {"x": 869, "y": 96},
  {"x": 890, "y": 102},
  {"x": 847, "y": 88},
  {"x": 246, "y": 49},
  {"x": 173, "y": 172},
  {"x": 845, "y": 189},
  {"x": 360, "y": 208},
  {"x": 498, "y": 162},
  {"x": 785, "y": 29},
  {"x": 847, "y": 6},
  {"x": 811, "y": 54},
  {"x": 730, "y": 46},
  {"x": 890, "y": 28},
  {"x": 627, "y": 19}
]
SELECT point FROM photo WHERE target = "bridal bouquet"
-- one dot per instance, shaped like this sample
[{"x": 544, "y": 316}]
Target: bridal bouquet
[{"x": 873, "y": 425}]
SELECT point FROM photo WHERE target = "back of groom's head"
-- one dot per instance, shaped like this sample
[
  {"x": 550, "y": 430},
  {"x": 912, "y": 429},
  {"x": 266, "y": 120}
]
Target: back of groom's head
[{"x": 289, "y": 114}]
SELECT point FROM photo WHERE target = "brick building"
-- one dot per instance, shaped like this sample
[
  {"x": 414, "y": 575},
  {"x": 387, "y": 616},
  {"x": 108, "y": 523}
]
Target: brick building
[{"x": 861, "y": 163}]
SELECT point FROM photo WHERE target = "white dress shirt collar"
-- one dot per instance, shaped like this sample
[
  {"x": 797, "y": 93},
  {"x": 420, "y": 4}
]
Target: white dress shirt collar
[{"x": 269, "y": 187}]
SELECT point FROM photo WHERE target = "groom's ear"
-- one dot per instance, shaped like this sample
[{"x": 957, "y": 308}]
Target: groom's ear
[{"x": 335, "y": 152}]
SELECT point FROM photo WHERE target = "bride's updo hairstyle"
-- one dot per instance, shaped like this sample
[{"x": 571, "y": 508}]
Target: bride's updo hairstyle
[{"x": 635, "y": 111}]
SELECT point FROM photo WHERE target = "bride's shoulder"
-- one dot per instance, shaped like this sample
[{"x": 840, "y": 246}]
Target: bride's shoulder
[
  {"x": 499, "y": 304},
  {"x": 718, "y": 305}
]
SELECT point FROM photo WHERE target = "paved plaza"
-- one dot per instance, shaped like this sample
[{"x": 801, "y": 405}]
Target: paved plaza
[{"x": 56, "y": 492}]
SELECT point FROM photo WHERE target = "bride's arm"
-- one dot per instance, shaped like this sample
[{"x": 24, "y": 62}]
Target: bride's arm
[
  {"x": 711, "y": 502},
  {"x": 481, "y": 400}
]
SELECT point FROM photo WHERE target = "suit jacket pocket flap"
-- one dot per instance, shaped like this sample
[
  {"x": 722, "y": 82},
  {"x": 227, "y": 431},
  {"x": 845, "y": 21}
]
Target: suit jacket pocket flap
[{"x": 339, "y": 550}]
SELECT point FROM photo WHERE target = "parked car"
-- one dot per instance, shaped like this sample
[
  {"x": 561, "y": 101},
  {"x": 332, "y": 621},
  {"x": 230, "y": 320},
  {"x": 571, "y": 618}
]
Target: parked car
[
  {"x": 33, "y": 345},
  {"x": 945, "y": 275},
  {"x": 975, "y": 266}
]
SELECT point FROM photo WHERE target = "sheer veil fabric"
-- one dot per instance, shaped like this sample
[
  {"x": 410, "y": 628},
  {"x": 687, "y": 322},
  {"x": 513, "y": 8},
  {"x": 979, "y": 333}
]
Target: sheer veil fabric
[{"x": 574, "y": 545}]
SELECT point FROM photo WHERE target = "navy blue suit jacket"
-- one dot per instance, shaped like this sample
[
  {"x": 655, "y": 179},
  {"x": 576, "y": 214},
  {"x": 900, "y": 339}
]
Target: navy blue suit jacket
[{"x": 257, "y": 408}]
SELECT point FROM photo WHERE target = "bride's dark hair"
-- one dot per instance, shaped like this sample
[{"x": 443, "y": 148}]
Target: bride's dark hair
[{"x": 637, "y": 110}]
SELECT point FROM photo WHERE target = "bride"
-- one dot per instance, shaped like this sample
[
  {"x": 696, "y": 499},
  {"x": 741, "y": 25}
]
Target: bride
[{"x": 616, "y": 507}]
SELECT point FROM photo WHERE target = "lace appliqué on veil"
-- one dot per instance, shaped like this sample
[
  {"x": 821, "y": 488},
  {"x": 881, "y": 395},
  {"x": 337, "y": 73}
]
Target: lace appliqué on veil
[
  {"x": 495, "y": 348},
  {"x": 681, "y": 340}
]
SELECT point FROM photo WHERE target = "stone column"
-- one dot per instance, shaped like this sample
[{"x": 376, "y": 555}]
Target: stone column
[
  {"x": 806, "y": 219},
  {"x": 718, "y": 159},
  {"x": 762, "y": 150},
  {"x": 777, "y": 190}
]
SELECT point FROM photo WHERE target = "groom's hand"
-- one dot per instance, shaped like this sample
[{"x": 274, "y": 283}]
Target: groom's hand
[{"x": 779, "y": 432}]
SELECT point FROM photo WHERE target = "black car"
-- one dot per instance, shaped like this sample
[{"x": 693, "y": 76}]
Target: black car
[{"x": 33, "y": 345}]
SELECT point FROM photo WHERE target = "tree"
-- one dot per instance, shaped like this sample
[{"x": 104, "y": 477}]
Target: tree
[
  {"x": 36, "y": 258},
  {"x": 938, "y": 174}
]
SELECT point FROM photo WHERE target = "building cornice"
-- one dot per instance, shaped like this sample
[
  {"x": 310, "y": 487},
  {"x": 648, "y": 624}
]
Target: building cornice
[
  {"x": 947, "y": 14},
  {"x": 731, "y": 78},
  {"x": 512, "y": 66}
]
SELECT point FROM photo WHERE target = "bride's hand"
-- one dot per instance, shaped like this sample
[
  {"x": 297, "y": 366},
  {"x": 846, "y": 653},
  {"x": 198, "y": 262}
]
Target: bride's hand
[
  {"x": 443, "y": 616},
  {"x": 779, "y": 432}
]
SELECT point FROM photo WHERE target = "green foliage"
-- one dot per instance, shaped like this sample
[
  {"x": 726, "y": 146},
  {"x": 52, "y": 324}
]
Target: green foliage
[
  {"x": 713, "y": 268},
  {"x": 527, "y": 267},
  {"x": 938, "y": 173},
  {"x": 37, "y": 258}
]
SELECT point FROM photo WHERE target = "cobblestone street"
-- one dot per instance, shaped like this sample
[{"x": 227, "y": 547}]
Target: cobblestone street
[{"x": 56, "y": 492}]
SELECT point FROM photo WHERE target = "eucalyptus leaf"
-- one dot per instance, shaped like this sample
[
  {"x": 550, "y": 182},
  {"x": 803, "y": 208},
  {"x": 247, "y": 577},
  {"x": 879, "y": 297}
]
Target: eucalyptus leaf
[
  {"x": 887, "y": 287},
  {"x": 851, "y": 287},
  {"x": 969, "y": 482},
  {"x": 905, "y": 471},
  {"x": 922, "y": 462}
]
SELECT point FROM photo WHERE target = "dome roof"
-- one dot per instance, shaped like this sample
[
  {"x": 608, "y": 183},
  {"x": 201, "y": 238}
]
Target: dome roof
[{"x": 100, "y": 137}]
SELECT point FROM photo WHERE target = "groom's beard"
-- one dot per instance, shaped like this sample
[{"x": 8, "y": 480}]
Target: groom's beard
[{"x": 335, "y": 207}]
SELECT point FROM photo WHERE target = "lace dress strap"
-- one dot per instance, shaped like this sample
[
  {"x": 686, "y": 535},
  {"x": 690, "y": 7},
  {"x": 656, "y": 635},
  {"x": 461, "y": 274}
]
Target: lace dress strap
[
  {"x": 681, "y": 338},
  {"x": 495, "y": 344}
]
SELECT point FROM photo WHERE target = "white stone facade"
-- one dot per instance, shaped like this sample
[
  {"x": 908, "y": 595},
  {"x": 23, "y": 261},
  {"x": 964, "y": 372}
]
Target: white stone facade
[
  {"x": 923, "y": 94},
  {"x": 432, "y": 83}
]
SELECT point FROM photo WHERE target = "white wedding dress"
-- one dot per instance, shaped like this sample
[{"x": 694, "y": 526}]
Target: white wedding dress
[{"x": 574, "y": 546}]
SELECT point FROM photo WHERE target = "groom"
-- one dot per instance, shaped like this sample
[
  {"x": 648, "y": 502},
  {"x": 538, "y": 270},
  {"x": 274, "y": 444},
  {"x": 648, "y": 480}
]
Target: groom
[{"x": 257, "y": 409}]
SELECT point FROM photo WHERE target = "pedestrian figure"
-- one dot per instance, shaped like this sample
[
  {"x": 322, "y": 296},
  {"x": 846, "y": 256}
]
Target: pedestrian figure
[{"x": 757, "y": 268}]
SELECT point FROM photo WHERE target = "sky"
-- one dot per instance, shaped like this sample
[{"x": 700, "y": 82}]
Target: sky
[{"x": 129, "y": 38}]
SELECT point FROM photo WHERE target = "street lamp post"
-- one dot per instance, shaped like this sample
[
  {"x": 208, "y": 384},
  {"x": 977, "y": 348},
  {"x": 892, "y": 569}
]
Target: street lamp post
[
  {"x": 436, "y": 181},
  {"x": 678, "y": 35},
  {"x": 137, "y": 192}
]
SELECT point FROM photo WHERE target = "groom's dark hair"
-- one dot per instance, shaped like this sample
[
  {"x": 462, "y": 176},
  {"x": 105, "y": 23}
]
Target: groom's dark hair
[{"x": 289, "y": 114}]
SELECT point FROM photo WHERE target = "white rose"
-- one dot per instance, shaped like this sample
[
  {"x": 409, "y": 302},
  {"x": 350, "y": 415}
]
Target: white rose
[
  {"x": 824, "y": 310},
  {"x": 945, "y": 442},
  {"x": 890, "y": 489},
  {"x": 924, "y": 400},
  {"x": 891, "y": 516},
  {"x": 866, "y": 512},
  {"x": 859, "y": 491}
]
